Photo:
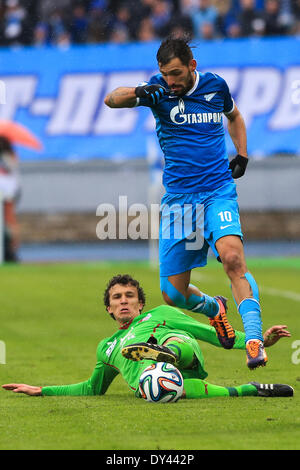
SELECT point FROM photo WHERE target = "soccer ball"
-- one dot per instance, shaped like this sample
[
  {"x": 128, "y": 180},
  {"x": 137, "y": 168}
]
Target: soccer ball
[{"x": 161, "y": 382}]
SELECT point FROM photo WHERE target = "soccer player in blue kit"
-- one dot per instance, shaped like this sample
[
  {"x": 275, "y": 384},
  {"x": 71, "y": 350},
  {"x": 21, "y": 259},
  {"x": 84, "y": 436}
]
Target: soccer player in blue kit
[{"x": 188, "y": 106}]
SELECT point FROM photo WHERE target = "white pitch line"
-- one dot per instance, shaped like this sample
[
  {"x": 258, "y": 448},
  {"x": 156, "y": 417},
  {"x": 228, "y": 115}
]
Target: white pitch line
[
  {"x": 200, "y": 277},
  {"x": 281, "y": 293}
]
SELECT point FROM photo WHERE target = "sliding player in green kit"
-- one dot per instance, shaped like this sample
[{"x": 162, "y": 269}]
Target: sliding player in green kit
[{"x": 163, "y": 334}]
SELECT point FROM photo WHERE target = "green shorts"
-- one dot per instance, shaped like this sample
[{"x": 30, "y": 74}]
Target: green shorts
[{"x": 198, "y": 371}]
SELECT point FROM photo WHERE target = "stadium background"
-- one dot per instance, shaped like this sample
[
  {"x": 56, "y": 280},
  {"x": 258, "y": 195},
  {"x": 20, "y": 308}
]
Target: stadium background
[
  {"x": 57, "y": 62},
  {"x": 59, "y": 59}
]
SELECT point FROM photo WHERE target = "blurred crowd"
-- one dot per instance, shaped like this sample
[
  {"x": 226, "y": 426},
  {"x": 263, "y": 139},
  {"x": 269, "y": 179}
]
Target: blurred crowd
[{"x": 65, "y": 22}]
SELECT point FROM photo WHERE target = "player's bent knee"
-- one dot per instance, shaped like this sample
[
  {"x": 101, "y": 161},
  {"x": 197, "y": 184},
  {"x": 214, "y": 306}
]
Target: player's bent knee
[
  {"x": 233, "y": 261},
  {"x": 173, "y": 338}
]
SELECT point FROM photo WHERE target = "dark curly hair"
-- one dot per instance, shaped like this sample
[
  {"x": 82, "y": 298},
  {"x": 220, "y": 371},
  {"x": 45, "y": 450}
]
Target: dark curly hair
[
  {"x": 124, "y": 280},
  {"x": 173, "y": 47}
]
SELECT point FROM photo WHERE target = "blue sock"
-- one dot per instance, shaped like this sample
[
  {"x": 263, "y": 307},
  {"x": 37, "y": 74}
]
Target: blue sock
[
  {"x": 204, "y": 304},
  {"x": 197, "y": 303},
  {"x": 250, "y": 312}
]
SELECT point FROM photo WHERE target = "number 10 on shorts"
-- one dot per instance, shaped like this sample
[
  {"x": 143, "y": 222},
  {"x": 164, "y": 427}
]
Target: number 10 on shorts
[{"x": 225, "y": 216}]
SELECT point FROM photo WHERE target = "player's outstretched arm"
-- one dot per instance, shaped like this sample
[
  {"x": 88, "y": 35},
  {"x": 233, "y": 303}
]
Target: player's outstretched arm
[
  {"x": 122, "y": 97},
  {"x": 23, "y": 388},
  {"x": 97, "y": 384}
]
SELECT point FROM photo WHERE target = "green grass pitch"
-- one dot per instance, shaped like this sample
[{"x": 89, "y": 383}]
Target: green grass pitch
[{"x": 52, "y": 318}]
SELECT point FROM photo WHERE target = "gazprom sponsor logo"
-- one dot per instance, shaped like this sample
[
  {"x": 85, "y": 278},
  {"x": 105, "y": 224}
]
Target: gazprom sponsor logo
[{"x": 178, "y": 116}]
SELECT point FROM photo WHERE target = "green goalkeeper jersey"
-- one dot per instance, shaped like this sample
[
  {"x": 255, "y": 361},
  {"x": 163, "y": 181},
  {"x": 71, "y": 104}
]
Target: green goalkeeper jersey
[{"x": 162, "y": 322}]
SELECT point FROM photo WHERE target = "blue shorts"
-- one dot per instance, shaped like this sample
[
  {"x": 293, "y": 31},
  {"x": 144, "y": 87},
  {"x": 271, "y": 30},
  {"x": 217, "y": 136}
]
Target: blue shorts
[{"x": 191, "y": 223}]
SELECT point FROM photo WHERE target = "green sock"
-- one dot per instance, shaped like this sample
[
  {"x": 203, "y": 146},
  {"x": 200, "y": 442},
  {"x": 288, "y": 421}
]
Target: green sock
[
  {"x": 184, "y": 352},
  {"x": 196, "y": 388},
  {"x": 246, "y": 390}
]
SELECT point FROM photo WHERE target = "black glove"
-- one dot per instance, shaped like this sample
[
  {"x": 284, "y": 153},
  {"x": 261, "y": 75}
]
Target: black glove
[
  {"x": 153, "y": 92},
  {"x": 238, "y": 166}
]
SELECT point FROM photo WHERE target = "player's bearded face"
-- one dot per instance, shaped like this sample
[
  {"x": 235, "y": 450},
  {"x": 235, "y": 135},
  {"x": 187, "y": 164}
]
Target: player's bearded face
[
  {"x": 180, "y": 78},
  {"x": 124, "y": 303}
]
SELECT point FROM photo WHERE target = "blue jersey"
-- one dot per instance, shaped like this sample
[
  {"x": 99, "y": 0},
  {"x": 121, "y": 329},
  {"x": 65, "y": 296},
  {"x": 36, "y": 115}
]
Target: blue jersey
[{"x": 191, "y": 134}]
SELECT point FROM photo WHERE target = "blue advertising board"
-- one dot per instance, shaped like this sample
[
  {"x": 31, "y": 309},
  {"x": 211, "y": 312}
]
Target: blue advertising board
[{"x": 58, "y": 94}]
